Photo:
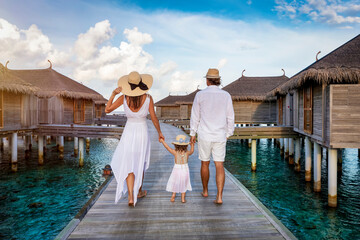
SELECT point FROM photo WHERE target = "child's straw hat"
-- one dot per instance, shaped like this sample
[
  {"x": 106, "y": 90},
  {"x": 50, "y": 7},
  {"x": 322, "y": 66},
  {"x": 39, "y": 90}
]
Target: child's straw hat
[{"x": 181, "y": 140}]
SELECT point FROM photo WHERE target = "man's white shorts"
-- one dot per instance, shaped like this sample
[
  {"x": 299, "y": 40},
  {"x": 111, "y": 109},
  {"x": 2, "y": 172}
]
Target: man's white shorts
[{"x": 217, "y": 149}]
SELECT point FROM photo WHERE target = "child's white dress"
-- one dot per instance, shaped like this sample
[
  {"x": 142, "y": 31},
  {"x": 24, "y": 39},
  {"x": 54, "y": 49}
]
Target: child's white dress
[{"x": 179, "y": 181}]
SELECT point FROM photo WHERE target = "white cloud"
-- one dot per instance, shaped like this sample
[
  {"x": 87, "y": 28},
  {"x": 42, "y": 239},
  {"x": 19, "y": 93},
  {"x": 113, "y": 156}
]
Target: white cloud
[
  {"x": 222, "y": 63},
  {"x": 333, "y": 12},
  {"x": 23, "y": 47}
]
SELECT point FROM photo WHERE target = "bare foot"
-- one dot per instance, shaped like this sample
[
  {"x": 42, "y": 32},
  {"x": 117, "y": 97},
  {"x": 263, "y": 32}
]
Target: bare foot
[
  {"x": 142, "y": 194},
  {"x": 218, "y": 202},
  {"x": 183, "y": 198},
  {"x": 172, "y": 199},
  {"x": 131, "y": 203},
  {"x": 204, "y": 194}
]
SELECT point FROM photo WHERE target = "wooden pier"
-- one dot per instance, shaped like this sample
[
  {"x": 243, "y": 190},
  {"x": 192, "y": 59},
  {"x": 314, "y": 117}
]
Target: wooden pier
[
  {"x": 241, "y": 216},
  {"x": 74, "y": 130}
]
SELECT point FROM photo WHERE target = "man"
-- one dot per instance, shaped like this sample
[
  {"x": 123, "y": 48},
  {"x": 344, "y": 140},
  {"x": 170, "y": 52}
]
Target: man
[{"x": 212, "y": 118}]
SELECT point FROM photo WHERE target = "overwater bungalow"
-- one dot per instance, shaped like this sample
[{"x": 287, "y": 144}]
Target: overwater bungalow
[
  {"x": 100, "y": 107},
  {"x": 168, "y": 108},
  {"x": 61, "y": 100},
  {"x": 250, "y": 103},
  {"x": 186, "y": 103},
  {"x": 18, "y": 108},
  {"x": 325, "y": 100}
]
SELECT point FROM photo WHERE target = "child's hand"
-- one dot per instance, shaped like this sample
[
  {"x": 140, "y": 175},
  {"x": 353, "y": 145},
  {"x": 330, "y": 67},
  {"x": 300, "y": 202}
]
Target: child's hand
[{"x": 161, "y": 140}]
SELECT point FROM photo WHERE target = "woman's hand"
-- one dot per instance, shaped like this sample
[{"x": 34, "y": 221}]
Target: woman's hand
[
  {"x": 117, "y": 91},
  {"x": 161, "y": 137}
]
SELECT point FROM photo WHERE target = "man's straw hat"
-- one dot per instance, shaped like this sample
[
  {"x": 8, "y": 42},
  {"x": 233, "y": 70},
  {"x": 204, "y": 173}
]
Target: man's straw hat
[
  {"x": 135, "y": 84},
  {"x": 212, "y": 73},
  {"x": 181, "y": 140}
]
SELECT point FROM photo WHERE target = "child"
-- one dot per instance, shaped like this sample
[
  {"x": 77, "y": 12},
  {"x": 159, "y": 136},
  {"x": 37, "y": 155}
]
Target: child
[{"x": 179, "y": 181}]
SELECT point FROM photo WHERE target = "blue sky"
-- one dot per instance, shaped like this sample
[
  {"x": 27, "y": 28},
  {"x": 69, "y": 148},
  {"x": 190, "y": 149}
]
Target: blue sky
[{"x": 95, "y": 42}]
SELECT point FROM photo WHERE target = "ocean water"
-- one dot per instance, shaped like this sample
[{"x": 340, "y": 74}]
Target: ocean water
[
  {"x": 292, "y": 200},
  {"x": 37, "y": 202}
]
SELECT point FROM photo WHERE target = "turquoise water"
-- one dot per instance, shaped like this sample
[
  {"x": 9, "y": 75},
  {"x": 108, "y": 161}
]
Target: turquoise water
[
  {"x": 59, "y": 189},
  {"x": 286, "y": 194}
]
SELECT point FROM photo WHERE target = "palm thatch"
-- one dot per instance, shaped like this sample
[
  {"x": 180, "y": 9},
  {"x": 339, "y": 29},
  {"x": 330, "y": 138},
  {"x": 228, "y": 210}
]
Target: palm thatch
[
  {"x": 340, "y": 66},
  {"x": 188, "y": 99},
  {"x": 12, "y": 83},
  {"x": 169, "y": 101},
  {"x": 253, "y": 88},
  {"x": 51, "y": 83},
  {"x": 101, "y": 101}
]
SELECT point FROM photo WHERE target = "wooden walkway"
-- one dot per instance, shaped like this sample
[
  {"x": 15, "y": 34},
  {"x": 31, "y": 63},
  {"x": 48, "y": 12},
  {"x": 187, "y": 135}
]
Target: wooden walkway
[{"x": 155, "y": 217}]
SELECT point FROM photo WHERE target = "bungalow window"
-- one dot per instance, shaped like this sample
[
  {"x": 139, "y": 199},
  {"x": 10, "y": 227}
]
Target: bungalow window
[
  {"x": 79, "y": 111},
  {"x": 308, "y": 113},
  {"x": 98, "y": 111},
  {"x": 280, "y": 117},
  {"x": 1, "y": 109}
]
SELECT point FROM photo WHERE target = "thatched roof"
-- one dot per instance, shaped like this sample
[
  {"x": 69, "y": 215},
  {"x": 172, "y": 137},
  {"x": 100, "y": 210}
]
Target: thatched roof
[
  {"x": 101, "y": 101},
  {"x": 188, "y": 99},
  {"x": 340, "y": 66},
  {"x": 253, "y": 88},
  {"x": 51, "y": 83},
  {"x": 10, "y": 82},
  {"x": 169, "y": 101}
]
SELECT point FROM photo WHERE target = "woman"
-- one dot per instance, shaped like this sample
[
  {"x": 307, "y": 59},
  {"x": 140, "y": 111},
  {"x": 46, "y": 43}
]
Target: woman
[{"x": 132, "y": 155}]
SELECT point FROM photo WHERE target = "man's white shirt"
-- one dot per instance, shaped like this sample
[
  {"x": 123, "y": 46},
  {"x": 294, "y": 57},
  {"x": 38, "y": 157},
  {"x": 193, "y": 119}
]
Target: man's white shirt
[{"x": 212, "y": 115}]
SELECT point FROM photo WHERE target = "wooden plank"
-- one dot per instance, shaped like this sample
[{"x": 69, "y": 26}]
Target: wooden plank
[{"x": 155, "y": 217}]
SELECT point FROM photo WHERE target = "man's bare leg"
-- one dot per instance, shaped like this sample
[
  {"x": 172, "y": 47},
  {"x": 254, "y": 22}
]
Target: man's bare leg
[
  {"x": 220, "y": 181},
  {"x": 205, "y": 174}
]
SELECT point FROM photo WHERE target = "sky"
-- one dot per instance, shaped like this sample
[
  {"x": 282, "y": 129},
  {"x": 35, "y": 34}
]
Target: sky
[{"x": 97, "y": 42}]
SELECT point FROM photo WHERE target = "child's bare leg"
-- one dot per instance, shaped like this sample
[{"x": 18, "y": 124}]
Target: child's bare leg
[
  {"x": 172, "y": 199},
  {"x": 183, "y": 198}
]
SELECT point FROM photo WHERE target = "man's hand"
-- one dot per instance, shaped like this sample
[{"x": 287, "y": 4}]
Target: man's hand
[{"x": 193, "y": 139}]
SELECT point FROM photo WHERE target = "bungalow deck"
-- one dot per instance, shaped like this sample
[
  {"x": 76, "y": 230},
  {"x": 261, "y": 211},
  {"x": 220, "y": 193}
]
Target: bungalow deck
[{"x": 241, "y": 216}]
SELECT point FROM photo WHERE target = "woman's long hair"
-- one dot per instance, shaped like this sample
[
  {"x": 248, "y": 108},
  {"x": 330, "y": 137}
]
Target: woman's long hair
[{"x": 134, "y": 102}]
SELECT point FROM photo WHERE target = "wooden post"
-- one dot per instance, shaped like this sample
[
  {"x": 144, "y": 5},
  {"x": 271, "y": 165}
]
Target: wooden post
[
  {"x": 61, "y": 147},
  {"x": 76, "y": 146},
  {"x": 332, "y": 178},
  {"x": 81, "y": 152},
  {"x": 286, "y": 143},
  {"x": 249, "y": 143},
  {"x": 30, "y": 143},
  {"x": 41, "y": 149},
  {"x": 317, "y": 167},
  {"x": 14, "y": 152},
  {"x": 48, "y": 139},
  {"x": 307, "y": 159},
  {"x": 253, "y": 155},
  {"x": 281, "y": 147},
  {"x": 291, "y": 151},
  {"x": 297, "y": 154},
  {"x": 1, "y": 144},
  {"x": 87, "y": 144}
]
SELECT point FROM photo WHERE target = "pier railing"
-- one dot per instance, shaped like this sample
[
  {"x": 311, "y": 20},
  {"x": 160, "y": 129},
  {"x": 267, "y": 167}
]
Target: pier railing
[
  {"x": 264, "y": 132},
  {"x": 79, "y": 131}
]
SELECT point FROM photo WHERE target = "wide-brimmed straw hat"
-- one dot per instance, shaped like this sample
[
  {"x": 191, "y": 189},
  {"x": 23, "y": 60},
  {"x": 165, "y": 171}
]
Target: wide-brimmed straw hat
[
  {"x": 212, "y": 73},
  {"x": 181, "y": 140},
  {"x": 135, "y": 84}
]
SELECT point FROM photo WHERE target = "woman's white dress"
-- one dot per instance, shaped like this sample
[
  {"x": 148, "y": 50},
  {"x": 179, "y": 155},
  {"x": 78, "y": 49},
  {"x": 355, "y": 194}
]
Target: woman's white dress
[{"x": 132, "y": 154}]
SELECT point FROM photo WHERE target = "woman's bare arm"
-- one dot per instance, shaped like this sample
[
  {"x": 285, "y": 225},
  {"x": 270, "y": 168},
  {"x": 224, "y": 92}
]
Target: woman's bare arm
[
  {"x": 155, "y": 120},
  {"x": 172, "y": 151},
  {"x": 191, "y": 149},
  {"x": 110, "y": 106}
]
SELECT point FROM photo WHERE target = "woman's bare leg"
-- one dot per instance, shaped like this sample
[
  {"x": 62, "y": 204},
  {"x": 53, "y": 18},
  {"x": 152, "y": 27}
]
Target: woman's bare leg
[
  {"x": 172, "y": 199},
  {"x": 183, "y": 198},
  {"x": 141, "y": 192},
  {"x": 130, "y": 185}
]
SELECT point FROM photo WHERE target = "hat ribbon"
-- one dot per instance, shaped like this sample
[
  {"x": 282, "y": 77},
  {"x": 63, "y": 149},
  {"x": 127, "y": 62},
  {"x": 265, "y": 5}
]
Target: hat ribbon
[{"x": 141, "y": 85}]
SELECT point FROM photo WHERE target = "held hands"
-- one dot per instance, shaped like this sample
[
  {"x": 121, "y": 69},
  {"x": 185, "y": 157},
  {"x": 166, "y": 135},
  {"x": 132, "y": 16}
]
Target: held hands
[
  {"x": 117, "y": 91},
  {"x": 193, "y": 139},
  {"x": 161, "y": 137}
]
